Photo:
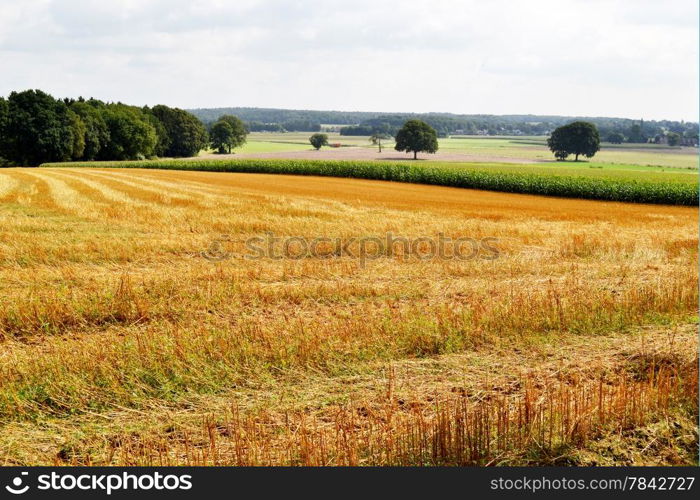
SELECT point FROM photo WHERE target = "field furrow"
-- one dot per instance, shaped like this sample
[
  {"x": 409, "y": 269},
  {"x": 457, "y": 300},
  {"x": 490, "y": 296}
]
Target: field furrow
[
  {"x": 190, "y": 190},
  {"x": 63, "y": 195},
  {"x": 143, "y": 191},
  {"x": 7, "y": 185}
]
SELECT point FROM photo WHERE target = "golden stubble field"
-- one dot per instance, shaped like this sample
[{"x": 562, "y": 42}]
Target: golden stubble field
[{"x": 121, "y": 344}]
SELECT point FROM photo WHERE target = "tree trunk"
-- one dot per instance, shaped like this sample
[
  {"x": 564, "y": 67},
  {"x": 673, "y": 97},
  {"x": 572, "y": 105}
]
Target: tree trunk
[
  {"x": 576, "y": 157},
  {"x": 415, "y": 155},
  {"x": 380, "y": 146}
]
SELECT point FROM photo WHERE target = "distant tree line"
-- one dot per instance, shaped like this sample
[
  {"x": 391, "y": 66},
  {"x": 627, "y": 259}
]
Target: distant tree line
[
  {"x": 671, "y": 133},
  {"x": 613, "y": 130},
  {"x": 272, "y": 116},
  {"x": 367, "y": 123},
  {"x": 36, "y": 128}
]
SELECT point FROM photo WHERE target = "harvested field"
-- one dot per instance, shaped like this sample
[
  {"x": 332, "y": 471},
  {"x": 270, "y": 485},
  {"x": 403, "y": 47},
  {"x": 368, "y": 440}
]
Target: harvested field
[
  {"x": 120, "y": 343},
  {"x": 618, "y": 185}
]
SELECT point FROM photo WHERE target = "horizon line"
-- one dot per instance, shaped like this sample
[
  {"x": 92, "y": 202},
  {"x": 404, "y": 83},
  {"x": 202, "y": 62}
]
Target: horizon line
[{"x": 443, "y": 113}]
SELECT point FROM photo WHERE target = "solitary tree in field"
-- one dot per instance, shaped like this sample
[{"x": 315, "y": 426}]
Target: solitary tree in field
[
  {"x": 224, "y": 139},
  {"x": 577, "y": 138},
  {"x": 318, "y": 140},
  {"x": 416, "y": 136},
  {"x": 377, "y": 138}
]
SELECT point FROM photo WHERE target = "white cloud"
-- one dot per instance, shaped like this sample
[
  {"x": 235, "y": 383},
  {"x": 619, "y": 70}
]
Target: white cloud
[{"x": 603, "y": 58}]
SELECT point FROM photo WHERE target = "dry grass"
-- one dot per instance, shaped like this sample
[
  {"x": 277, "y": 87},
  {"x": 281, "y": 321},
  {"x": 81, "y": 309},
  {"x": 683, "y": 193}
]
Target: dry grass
[
  {"x": 111, "y": 320},
  {"x": 538, "y": 425}
]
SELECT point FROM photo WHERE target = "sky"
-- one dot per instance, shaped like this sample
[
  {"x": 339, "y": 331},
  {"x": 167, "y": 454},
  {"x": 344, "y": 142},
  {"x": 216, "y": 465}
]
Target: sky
[{"x": 619, "y": 58}]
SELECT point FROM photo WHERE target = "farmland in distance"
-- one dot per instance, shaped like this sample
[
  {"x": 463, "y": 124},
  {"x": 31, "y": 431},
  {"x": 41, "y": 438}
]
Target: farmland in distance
[{"x": 469, "y": 149}]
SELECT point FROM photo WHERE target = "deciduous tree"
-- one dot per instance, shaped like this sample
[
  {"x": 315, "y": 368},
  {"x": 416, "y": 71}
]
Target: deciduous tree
[
  {"x": 96, "y": 130},
  {"x": 377, "y": 137},
  {"x": 318, "y": 140},
  {"x": 234, "y": 139},
  {"x": 185, "y": 135},
  {"x": 132, "y": 136},
  {"x": 616, "y": 138},
  {"x": 673, "y": 138},
  {"x": 221, "y": 137},
  {"x": 38, "y": 129},
  {"x": 416, "y": 136},
  {"x": 577, "y": 138}
]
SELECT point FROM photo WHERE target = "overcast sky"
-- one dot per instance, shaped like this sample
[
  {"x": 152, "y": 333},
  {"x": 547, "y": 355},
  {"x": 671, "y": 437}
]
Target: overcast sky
[{"x": 629, "y": 58}]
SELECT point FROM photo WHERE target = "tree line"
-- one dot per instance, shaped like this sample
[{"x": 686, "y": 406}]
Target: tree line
[
  {"x": 288, "y": 117},
  {"x": 362, "y": 123},
  {"x": 36, "y": 128},
  {"x": 641, "y": 133}
]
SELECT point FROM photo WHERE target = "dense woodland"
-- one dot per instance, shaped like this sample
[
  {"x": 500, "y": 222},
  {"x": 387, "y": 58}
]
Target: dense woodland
[
  {"x": 367, "y": 123},
  {"x": 36, "y": 128}
]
